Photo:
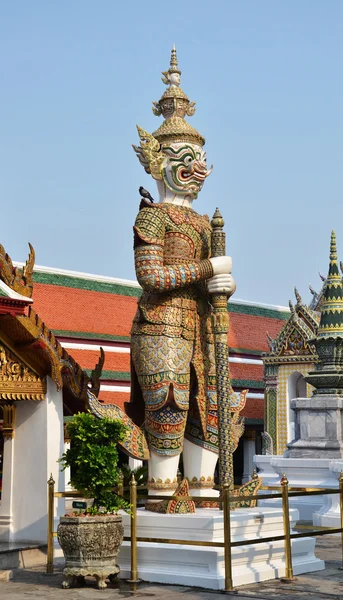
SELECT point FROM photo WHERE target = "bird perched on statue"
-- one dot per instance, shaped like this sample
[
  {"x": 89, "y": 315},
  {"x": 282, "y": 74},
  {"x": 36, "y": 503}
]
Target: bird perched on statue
[{"x": 145, "y": 194}]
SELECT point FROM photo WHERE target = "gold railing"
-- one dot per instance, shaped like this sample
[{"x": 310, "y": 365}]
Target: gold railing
[{"x": 225, "y": 499}]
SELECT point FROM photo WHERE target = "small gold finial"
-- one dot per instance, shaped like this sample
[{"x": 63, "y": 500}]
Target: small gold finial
[
  {"x": 217, "y": 220},
  {"x": 284, "y": 480}
]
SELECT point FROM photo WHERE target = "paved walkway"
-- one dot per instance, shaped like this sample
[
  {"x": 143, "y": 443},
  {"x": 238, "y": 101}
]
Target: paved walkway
[{"x": 323, "y": 585}]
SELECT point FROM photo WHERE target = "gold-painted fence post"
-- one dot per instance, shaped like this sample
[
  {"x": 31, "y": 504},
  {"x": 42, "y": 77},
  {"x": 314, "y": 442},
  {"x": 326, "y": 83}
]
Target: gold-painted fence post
[
  {"x": 120, "y": 483},
  {"x": 50, "y": 557},
  {"x": 287, "y": 530},
  {"x": 341, "y": 508},
  {"x": 133, "y": 521},
  {"x": 227, "y": 537}
]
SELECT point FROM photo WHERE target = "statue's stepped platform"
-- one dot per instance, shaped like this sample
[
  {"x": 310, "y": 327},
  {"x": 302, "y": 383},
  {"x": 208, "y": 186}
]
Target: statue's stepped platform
[{"x": 203, "y": 566}]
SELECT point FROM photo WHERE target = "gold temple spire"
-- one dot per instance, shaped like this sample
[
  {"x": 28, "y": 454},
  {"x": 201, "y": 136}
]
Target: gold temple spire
[
  {"x": 333, "y": 246},
  {"x": 331, "y": 321}
]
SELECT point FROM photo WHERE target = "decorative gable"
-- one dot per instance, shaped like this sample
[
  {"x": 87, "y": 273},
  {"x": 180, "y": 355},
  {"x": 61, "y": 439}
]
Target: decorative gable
[
  {"x": 18, "y": 381},
  {"x": 294, "y": 343}
]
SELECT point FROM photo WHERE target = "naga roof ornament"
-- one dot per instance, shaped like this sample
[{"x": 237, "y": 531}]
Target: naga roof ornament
[{"x": 19, "y": 281}]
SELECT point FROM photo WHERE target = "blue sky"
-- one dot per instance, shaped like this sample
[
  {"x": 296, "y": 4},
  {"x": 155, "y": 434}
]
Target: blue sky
[{"x": 76, "y": 77}]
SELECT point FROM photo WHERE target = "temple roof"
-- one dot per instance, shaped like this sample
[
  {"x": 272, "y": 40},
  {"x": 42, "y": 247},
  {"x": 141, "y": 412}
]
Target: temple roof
[
  {"x": 294, "y": 343},
  {"x": 25, "y": 335},
  {"x": 322, "y": 318}
]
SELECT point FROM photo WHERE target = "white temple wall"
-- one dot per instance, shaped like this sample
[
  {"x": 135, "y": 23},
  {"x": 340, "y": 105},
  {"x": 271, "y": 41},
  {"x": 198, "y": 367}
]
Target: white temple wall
[{"x": 38, "y": 444}]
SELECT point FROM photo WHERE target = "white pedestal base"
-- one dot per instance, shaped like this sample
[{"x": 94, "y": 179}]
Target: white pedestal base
[
  {"x": 204, "y": 566},
  {"x": 265, "y": 469},
  {"x": 329, "y": 515},
  {"x": 302, "y": 472}
]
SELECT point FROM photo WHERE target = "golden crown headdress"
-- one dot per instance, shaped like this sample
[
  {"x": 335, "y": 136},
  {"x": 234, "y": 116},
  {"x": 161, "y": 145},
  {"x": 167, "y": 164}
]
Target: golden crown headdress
[{"x": 174, "y": 105}]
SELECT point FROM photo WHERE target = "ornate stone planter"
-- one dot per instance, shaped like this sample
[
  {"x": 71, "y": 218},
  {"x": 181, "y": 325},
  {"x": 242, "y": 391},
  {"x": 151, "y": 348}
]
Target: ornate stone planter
[{"x": 90, "y": 546}]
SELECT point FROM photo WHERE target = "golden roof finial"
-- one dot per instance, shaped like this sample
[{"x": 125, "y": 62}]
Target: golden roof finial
[{"x": 333, "y": 246}]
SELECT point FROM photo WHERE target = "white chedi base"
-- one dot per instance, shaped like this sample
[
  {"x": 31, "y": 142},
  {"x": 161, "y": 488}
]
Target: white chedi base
[
  {"x": 203, "y": 566},
  {"x": 301, "y": 472},
  {"x": 265, "y": 471},
  {"x": 329, "y": 515}
]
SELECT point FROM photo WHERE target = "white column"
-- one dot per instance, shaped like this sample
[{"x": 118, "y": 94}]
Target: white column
[
  {"x": 134, "y": 463},
  {"x": 66, "y": 471},
  {"x": 39, "y": 443},
  {"x": 248, "y": 455},
  {"x": 7, "y": 490}
]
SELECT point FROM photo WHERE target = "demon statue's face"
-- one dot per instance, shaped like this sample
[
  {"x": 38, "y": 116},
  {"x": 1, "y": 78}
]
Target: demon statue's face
[
  {"x": 180, "y": 166},
  {"x": 184, "y": 168}
]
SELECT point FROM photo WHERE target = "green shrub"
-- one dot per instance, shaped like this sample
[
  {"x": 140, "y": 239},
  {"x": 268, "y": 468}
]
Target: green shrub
[{"x": 93, "y": 459}]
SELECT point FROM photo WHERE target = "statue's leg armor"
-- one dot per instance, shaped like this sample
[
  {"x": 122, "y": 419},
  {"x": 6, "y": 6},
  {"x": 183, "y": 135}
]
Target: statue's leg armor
[
  {"x": 199, "y": 464},
  {"x": 162, "y": 366},
  {"x": 162, "y": 471},
  {"x": 165, "y": 432},
  {"x": 200, "y": 452}
]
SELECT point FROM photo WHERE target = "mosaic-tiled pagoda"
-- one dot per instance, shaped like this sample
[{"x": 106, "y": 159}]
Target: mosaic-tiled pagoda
[{"x": 319, "y": 419}]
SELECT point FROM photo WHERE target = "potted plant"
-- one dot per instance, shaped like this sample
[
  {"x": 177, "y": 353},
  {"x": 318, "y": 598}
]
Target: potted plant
[{"x": 90, "y": 539}]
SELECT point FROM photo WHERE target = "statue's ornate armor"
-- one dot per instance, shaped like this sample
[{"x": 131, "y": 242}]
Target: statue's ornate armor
[{"x": 171, "y": 338}]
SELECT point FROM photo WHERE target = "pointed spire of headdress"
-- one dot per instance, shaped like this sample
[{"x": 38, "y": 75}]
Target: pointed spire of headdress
[
  {"x": 174, "y": 105},
  {"x": 173, "y": 62},
  {"x": 174, "y": 68}
]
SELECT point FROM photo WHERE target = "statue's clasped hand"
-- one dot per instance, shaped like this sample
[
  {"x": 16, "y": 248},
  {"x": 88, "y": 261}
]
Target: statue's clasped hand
[{"x": 222, "y": 281}]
